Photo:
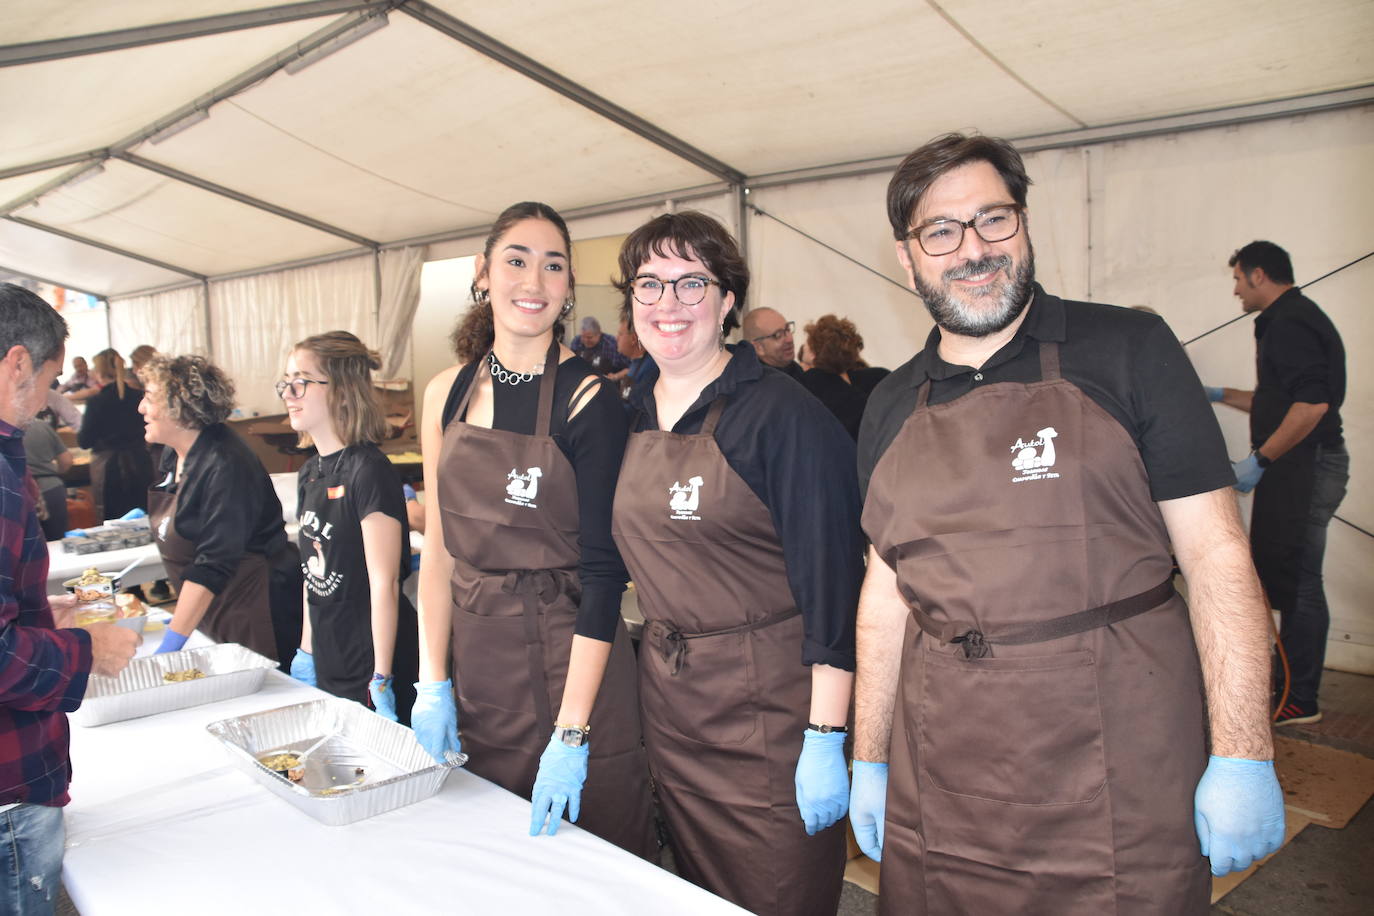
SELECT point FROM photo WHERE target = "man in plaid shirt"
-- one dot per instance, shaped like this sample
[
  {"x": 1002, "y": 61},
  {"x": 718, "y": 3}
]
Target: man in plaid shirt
[{"x": 43, "y": 670}]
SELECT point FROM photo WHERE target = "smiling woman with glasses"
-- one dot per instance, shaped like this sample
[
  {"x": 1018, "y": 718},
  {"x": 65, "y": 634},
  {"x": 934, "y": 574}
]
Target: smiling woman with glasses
[
  {"x": 737, "y": 513},
  {"x": 236, "y": 574}
]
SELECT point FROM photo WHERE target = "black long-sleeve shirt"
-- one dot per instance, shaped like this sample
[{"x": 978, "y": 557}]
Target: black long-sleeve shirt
[
  {"x": 1300, "y": 358},
  {"x": 800, "y": 462},
  {"x": 112, "y": 422},
  {"x": 226, "y": 505},
  {"x": 593, "y": 441}
]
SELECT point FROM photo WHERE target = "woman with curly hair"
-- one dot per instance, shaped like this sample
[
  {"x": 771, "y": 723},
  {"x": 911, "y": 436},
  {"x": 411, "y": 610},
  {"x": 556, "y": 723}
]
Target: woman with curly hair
[
  {"x": 359, "y": 640},
  {"x": 121, "y": 468},
  {"x": 216, "y": 518},
  {"x": 838, "y": 375},
  {"x": 521, "y": 582}
]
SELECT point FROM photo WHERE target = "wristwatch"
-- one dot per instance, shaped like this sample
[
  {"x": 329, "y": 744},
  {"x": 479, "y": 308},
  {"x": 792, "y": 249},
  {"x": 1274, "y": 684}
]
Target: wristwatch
[
  {"x": 828, "y": 729},
  {"x": 1260, "y": 460},
  {"x": 572, "y": 735}
]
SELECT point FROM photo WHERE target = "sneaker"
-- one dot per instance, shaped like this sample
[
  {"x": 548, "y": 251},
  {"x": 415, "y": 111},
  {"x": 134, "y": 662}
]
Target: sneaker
[{"x": 1293, "y": 714}]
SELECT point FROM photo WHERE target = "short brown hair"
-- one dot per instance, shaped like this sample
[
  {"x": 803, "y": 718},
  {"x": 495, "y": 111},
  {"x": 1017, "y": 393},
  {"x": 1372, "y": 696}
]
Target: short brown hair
[
  {"x": 687, "y": 234},
  {"x": 835, "y": 344},
  {"x": 476, "y": 330},
  {"x": 945, "y": 153},
  {"x": 194, "y": 390},
  {"x": 348, "y": 365}
]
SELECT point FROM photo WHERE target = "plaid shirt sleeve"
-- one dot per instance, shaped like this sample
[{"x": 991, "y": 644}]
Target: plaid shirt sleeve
[{"x": 43, "y": 671}]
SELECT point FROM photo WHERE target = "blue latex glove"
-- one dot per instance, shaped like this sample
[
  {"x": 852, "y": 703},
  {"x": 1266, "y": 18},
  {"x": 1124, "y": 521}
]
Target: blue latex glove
[
  {"x": 133, "y": 514},
  {"x": 822, "y": 780},
  {"x": 1214, "y": 394},
  {"x": 172, "y": 641},
  {"x": 1238, "y": 812},
  {"x": 1248, "y": 473},
  {"x": 435, "y": 718},
  {"x": 868, "y": 806},
  {"x": 383, "y": 697},
  {"x": 303, "y": 667},
  {"x": 75, "y": 533},
  {"x": 562, "y": 771}
]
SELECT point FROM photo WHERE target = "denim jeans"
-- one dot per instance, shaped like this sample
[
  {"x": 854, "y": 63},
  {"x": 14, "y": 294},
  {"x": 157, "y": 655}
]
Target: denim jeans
[
  {"x": 31, "y": 842},
  {"x": 1304, "y": 630}
]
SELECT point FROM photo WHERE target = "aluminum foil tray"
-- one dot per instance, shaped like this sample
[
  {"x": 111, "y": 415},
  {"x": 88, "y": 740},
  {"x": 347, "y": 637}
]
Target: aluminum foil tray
[
  {"x": 230, "y": 671},
  {"x": 395, "y": 770}
]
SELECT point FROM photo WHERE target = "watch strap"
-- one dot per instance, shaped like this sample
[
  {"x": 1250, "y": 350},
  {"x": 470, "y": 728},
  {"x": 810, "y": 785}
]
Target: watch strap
[{"x": 827, "y": 729}]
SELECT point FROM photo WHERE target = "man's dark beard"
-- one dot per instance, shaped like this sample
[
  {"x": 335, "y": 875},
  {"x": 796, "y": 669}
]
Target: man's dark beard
[{"x": 1011, "y": 296}]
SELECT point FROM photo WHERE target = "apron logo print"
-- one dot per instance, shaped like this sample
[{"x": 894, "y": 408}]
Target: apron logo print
[
  {"x": 162, "y": 527},
  {"x": 1035, "y": 458},
  {"x": 523, "y": 487},
  {"x": 684, "y": 500}
]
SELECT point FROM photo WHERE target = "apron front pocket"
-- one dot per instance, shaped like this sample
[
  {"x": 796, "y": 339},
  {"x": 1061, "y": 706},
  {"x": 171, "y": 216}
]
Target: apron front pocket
[
  {"x": 711, "y": 699},
  {"x": 1018, "y": 730}
]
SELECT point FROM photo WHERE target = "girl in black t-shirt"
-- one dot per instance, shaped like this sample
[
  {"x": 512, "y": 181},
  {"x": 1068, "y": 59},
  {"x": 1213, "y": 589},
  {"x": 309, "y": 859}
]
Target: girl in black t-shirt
[{"x": 359, "y": 640}]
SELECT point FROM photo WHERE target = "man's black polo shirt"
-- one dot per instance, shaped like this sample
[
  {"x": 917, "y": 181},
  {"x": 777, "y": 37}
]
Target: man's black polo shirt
[
  {"x": 1127, "y": 361},
  {"x": 1299, "y": 357}
]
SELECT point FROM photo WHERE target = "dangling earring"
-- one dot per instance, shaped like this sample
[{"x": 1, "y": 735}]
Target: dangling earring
[
  {"x": 567, "y": 308},
  {"x": 481, "y": 296}
]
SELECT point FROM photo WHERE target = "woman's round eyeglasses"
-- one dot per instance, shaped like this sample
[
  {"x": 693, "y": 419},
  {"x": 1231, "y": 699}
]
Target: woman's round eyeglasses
[
  {"x": 297, "y": 386},
  {"x": 688, "y": 290}
]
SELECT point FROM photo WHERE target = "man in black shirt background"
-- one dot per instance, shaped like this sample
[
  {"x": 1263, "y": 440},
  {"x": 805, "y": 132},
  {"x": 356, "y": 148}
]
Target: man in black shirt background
[
  {"x": 770, "y": 334},
  {"x": 1299, "y": 466}
]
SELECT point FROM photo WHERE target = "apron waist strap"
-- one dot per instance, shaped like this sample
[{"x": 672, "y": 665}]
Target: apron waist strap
[
  {"x": 978, "y": 644},
  {"x": 541, "y": 583},
  {"x": 672, "y": 642}
]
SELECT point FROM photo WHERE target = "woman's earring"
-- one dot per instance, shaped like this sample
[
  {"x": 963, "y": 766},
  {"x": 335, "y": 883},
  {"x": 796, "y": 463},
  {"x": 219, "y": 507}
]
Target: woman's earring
[
  {"x": 567, "y": 308},
  {"x": 481, "y": 296}
]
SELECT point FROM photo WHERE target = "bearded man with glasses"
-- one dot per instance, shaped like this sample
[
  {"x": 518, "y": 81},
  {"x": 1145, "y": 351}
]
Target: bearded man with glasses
[
  {"x": 771, "y": 335},
  {"x": 1026, "y": 672}
]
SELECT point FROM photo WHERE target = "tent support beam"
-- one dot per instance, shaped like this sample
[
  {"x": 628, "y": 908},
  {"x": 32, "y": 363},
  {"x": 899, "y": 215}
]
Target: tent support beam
[
  {"x": 187, "y": 178},
  {"x": 73, "y": 159},
  {"x": 71, "y": 236},
  {"x": 33, "y": 52},
  {"x": 528, "y": 67}
]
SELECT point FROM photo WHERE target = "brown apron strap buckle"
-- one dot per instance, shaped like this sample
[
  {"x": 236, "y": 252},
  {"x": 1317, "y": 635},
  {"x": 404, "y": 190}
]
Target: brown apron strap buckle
[{"x": 975, "y": 646}]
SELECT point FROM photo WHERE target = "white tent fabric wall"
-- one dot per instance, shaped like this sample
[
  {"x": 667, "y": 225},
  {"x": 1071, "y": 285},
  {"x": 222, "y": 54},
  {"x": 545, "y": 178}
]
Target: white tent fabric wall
[
  {"x": 173, "y": 322},
  {"x": 400, "y": 296},
  {"x": 255, "y": 320},
  {"x": 1148, "y": 221}
]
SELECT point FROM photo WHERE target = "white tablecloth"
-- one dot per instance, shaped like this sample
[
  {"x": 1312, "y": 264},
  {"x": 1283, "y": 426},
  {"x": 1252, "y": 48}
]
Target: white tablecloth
[{"x": 160, "y": 823}]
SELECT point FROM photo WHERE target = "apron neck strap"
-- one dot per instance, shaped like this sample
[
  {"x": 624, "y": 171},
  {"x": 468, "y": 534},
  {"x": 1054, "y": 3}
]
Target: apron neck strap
[
  {"x": 708, "y": 426},
  {"x": 544, "y": 421},
  {"x": 544, "y": 424},
  {"x": 1049, "y": 361},
  {"x": 923, "y": 394}
]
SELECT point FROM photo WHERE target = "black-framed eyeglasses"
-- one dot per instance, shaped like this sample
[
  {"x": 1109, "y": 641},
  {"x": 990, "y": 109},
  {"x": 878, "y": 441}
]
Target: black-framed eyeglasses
[
  {"x": 648, "y": 289},
  {"x": 297, "y": 386},
  {"x": 784, "y": 331},
  {"x": 944, "y": 236}
]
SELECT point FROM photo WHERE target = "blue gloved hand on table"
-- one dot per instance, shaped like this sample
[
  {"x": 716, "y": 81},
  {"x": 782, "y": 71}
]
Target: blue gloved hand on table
[
  {"x": 868, "y": 806},
  {"x": 172, "y": 641},
  {"x": 822, "y": 780},
  {"x": 1248, "y": 473},
  {"x": 1238, "y": 812},
  {"x": 303, "y": 667},
  {"x": 383, "y": 697},
  {"x": 434, "y": 718},
  {"x": 562, "y": 772}
]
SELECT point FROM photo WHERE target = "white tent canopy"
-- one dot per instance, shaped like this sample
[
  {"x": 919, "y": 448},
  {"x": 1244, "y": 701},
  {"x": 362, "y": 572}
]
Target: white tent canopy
[{"x": 232, "y": 187}]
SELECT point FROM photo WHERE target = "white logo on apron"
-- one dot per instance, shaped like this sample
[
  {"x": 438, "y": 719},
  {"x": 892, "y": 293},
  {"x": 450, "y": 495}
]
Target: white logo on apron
[
  {"x": 1035, "y": 458},
  {"x": 684, "y": 500},
  {"x": 523, "y": 487},
  {"x": 162, "y": 527}
]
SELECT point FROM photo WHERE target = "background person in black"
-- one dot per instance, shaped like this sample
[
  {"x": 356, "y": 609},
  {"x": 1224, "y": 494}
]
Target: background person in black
[
  {"x": 238, "y": 577},
  {"x": 525, "y": 591},
  {"x": 359, "y": 639},
  {"x": 839, "y": 377},
  {"x": 121, "y": 470},
  {"x": 1299, "y": 466}
]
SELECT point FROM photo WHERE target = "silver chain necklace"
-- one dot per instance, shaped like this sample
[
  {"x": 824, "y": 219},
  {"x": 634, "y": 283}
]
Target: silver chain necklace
[{"x": 506, "y": 377}]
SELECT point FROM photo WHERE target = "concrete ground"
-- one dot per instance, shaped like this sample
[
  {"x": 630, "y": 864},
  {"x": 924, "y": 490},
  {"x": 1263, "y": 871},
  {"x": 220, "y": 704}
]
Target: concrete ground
[{"x": 1324, "y": 871}]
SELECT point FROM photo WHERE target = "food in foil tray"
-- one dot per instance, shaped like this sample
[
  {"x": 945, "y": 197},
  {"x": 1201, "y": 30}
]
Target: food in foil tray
[{"x": 178, "y": 677}]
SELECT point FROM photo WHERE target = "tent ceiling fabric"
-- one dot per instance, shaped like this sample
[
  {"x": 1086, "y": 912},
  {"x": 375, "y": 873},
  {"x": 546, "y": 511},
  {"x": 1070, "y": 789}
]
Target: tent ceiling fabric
[{"x": 408, "y": 132}]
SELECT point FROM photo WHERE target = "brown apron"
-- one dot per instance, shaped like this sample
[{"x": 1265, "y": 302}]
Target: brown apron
[
  {"x": 724, "y": 692},
  {"x": 1043, "y": 757},
  {"x": 242, "y": 611},
  {"x": 510, "y": 516}
]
